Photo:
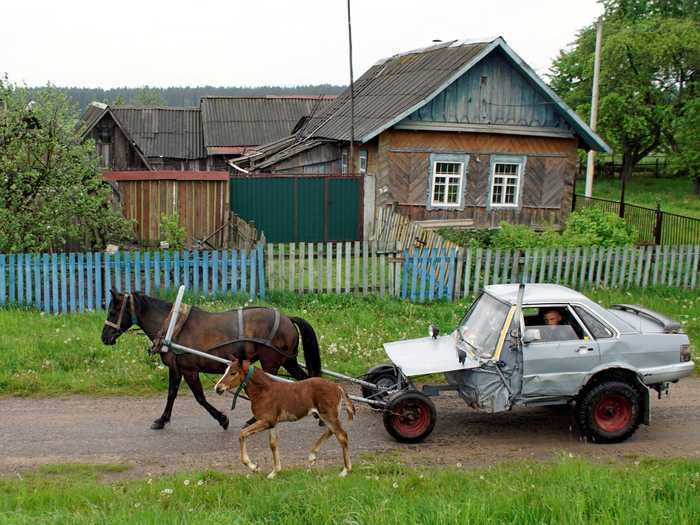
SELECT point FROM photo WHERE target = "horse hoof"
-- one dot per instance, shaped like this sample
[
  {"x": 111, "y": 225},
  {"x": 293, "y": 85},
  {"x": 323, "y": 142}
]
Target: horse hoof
[
  {"x": 272, "y": 475},
  {"x": 224, "y": 422},
  {"x": 158, "y": 424},
  {"x": 312, "y": 459},
  {"x": 343, "y": 473}
]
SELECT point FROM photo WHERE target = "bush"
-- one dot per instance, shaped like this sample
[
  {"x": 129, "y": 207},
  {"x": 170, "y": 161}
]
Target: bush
[
  {"x": 588, "y": 227},
  {"x": 594, "y": 227},
  {"x": 172, "y": 232}
]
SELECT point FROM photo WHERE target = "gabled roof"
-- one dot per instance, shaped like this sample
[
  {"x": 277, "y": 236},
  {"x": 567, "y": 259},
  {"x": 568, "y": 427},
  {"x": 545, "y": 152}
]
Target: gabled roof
[
  {"x": 251, "y": 121},
  {"x": 164, "y": 131},
  {"x": 395, "y": 87}
]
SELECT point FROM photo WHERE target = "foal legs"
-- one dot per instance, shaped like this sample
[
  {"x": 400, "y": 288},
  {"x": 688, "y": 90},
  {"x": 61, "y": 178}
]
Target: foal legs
[
  {"x": 334, "y": 427},
  {"x": 174, "y": 379},
  {"x": 256, "y": 427},
  {"x": 314, "y": 451},
  {"x": 192, "y": 379},
  {"x": 276, "y": 463}
]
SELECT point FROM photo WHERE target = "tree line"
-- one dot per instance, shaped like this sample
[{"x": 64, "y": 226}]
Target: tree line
[{"x": 180, "y": 96}]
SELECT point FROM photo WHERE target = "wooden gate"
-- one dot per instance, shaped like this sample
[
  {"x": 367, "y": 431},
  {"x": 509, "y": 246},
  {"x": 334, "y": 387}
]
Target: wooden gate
[{"x": 300, "y": 208}]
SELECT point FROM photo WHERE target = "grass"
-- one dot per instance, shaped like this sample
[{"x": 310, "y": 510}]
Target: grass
[
  {"x": 48, "y": 355},
  {"x": 675, "y": 194},
  {"x": 568, "y": 491}
]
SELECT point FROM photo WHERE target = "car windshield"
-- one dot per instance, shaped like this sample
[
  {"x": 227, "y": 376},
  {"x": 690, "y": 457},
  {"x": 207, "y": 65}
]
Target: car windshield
[{"x": 482, "y": 325}]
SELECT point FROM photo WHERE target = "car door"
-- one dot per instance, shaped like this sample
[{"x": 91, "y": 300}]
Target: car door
[{"x": 558, "y": 367}]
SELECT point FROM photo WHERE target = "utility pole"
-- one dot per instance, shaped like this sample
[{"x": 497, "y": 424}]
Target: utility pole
[
  {"x": 590, "y": 165},
  {"x": 351, "y": 156}
]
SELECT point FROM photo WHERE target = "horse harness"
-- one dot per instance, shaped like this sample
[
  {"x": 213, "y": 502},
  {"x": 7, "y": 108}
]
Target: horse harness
[
  {"x": 240, "y": 337},
  {"x": 128, "y": 298}
]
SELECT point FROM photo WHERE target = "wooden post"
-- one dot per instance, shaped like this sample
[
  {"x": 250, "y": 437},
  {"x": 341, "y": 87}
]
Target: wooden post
[
  {"x": 590, "y": 165},
  {"x": 659, "y": 224}
]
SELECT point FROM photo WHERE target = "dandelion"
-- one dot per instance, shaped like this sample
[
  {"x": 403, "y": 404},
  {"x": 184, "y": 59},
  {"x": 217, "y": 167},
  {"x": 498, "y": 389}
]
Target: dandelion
[
  {"x": 200, "y": 482},
  {"x": 137, "y": 505},
  {"x": 395, "y": 485},
  {"x": 150, "y": 481},
  {"x": 186, "y": 482},
  {"x": 482, "y": 478},
  {"x": 166, "y": 492},
  {"x": 459, "y": 464}
]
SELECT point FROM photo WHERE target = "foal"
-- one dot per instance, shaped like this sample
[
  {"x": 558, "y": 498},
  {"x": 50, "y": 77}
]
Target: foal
[{"x": 273, "y": 402}]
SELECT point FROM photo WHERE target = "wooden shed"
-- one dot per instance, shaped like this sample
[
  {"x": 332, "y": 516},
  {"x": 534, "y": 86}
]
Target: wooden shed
[{"x": 457, "y": 131}]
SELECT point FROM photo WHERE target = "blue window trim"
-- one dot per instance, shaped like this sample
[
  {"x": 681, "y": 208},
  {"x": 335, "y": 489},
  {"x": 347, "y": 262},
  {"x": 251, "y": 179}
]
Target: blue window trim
[
  {"x": 510, "y": 159},
  {"x": 447, "y": 157}
]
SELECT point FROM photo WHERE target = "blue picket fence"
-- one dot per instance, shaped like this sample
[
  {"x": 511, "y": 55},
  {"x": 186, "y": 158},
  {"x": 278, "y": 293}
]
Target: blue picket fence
[
  {"x": 428, "y": 274},
  {"x": 76, "y": 282}
]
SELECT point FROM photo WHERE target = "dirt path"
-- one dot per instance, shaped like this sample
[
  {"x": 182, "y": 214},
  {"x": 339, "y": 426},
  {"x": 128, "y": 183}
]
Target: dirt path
[{"x": 80, "y": 429}]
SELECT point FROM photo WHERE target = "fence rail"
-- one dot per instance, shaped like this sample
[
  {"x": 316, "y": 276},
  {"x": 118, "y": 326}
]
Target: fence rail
[
  {"x": 653, "y": 225},
  {"x": 79, "y": 282},
  {"x": 391, "y": 227},
  {"x": 76, "y": 282}
]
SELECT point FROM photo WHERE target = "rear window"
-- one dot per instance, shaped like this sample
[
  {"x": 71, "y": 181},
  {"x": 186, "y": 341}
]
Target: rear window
[{"x": 595, "y": 326}]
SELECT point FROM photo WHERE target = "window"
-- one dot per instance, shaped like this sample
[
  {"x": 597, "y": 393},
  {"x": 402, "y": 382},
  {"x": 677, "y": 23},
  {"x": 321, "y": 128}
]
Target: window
[
  {"x": 344, "y": 162},
  {"x": 447, "y": 183},
  {"x": 363, "y": 162},
  {"x": 555, "y": 323},
  {"x": 505, "y": 181},
  {"x": 104, "y": 135},
  {"x": 595, "y": 327}
]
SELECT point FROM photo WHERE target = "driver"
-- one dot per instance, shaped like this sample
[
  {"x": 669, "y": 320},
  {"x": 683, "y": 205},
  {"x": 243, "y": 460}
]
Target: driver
[{"x": 553, "y": 317}]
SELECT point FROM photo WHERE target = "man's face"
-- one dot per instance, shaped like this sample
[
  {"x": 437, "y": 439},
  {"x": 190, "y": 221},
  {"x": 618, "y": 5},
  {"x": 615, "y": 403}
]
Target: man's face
[{"x": 552, "y": 317}]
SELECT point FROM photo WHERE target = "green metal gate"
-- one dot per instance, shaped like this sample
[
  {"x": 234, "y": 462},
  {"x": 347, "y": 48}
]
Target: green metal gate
[{"x": 307, "y": 208}]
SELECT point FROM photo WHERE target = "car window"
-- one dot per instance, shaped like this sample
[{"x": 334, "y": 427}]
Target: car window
[
  {"x": 555, "y": 323},
  {"x": 595, "y": 327}
]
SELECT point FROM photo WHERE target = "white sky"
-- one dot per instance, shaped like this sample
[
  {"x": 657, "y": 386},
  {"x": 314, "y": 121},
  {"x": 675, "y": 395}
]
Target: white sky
[{"x": 260, "y": 42}]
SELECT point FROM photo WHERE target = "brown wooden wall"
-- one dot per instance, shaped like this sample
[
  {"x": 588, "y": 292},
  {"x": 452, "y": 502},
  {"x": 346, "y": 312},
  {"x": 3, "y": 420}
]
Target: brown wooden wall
[
  {"x": 403, "y": 168},
  {"x": 201, "y": 200}
]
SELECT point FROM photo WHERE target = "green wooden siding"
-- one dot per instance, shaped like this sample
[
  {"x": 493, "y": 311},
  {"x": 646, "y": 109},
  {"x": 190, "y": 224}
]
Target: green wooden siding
[{"x": 300, "y": 209}]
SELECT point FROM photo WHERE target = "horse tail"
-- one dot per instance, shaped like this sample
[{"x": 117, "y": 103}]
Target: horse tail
[
  {"x": 349, "y": 406},
  {"x": 312, "y": 353}
]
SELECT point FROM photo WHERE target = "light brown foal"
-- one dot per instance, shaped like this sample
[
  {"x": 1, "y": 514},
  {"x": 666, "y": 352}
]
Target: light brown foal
[{"x": 273, "y": 402}]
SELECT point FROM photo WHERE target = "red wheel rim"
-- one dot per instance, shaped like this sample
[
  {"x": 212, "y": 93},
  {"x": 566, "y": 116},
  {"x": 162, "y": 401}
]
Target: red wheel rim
[
  {"x": 613, "y": 413},
  {"x": 411, "y": 418}
]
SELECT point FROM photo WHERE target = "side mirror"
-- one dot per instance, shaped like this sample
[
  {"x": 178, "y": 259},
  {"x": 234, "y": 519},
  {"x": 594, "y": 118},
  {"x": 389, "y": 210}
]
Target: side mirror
[
  {"x": 532, "y": 335},
  {"x": 433, "y": 331}
]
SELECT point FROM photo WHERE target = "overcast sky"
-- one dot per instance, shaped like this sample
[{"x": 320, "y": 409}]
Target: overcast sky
[{"x": 258, "y": 42}]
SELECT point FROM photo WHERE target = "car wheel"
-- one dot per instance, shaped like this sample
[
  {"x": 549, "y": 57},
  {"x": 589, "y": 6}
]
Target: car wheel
[
  {"x": 609, "y": 412},
  {"x": 384, "y": 378},
  {"x": 409, "y": 417}
]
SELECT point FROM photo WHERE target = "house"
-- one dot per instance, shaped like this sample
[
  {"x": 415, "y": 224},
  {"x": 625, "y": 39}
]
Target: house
[
  {"x": 192, "y": 138},
  {"x": 458, "y": 131}
]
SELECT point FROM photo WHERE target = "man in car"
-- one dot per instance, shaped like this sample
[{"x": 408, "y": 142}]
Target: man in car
[{"x": 553, "y": 317}]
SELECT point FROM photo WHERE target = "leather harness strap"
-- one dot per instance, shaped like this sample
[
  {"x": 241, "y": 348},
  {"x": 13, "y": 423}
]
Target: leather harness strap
[{"x": 128, "y": 298}]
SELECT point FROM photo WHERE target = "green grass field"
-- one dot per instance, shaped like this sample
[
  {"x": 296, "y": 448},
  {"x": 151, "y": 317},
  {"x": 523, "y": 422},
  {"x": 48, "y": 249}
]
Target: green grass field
[
  {"x": 48, "y": 355},
  {"x": 568, "y": 491},
  {"x": 675, "y": 194}
]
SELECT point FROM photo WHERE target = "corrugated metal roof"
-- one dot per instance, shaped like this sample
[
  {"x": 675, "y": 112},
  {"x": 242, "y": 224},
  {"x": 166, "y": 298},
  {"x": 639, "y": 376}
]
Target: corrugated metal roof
[
  {"x": 164, "y": 132},
  {"x": 250, "y": 121},
  {"x": 392, "y": 86}
]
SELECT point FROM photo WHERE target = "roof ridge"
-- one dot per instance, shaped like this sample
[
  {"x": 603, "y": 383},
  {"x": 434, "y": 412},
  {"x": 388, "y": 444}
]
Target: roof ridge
[
  {"x": 162, "y": 108},
  {"x": 271, "y": 97},
  {"x": 439, "y": 45}
]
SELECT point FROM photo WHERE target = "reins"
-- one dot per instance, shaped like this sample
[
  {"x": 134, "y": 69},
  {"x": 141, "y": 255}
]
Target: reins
[{"x": 128, "y": 298}]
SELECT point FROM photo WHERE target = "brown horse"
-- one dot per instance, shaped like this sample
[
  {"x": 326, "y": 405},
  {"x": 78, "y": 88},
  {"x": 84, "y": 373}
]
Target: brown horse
[
  {"x": 255, "y": 334},
  {"x": 273, "y": 402}
]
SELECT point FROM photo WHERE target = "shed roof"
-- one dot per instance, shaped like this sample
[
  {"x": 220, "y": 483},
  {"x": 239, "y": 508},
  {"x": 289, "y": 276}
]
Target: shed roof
[
  {"x": 395, "y": 87},
  {"x": 163, "y": 131},
  {"x": 251, "y": 121}
]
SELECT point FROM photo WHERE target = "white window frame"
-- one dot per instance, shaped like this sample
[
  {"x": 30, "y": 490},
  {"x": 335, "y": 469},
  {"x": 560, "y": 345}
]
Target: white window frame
[
  {"x": 363, "y": 162},
  {"x": 520, "y": 163},
  {"x": 434, "y": 174}
]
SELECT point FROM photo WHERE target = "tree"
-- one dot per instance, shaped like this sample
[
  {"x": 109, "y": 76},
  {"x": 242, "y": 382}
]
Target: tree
[
  {"x": 147, "y": 97},
  {"x": 51, "y": 192},
  {"x": 648, "y": 75}
]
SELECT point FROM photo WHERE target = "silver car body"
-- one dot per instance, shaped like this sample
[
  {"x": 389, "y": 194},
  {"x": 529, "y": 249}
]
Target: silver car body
[{"x": 545, "y": 372}]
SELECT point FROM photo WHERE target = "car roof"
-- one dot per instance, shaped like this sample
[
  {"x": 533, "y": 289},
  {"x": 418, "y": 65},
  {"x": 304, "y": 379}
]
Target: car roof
[{"x": 535, "y": 293}]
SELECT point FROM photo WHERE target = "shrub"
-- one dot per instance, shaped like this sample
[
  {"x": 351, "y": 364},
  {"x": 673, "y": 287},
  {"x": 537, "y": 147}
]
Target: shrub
[
  {"x": 469, "y": 237},
  {"x": 172, "y": 232},
  {"x": 594, "y": 227}
]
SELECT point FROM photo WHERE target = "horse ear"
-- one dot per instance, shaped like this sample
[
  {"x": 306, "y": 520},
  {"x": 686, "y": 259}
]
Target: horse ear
[{"x": 114, "y": 292}]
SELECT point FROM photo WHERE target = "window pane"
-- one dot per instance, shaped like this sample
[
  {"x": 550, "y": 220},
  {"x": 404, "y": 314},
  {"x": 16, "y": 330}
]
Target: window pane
[
  {"x": 497, "y": 194},
  {"x": 452, "y": 190},
  {"x": 595, "y": 327},
  {"x": 438, "y": 193},
  {"x": 448, "y": 168}
]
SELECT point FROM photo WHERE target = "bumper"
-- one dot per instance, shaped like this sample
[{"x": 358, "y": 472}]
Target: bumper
[{"x": 662, "y": 374}]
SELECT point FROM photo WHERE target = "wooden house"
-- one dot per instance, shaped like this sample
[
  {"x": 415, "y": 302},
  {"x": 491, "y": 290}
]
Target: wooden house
[{"x": 460, "y": 131}]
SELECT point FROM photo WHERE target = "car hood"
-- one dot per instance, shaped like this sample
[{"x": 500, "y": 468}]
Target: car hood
[{"x": 425, "y": 355}]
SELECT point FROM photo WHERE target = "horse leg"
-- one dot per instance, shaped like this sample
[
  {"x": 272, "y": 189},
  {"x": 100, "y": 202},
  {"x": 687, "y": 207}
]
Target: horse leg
[
  {"x": 276, "y": 463},
  {"x": 174, "y": 379},
  {"x": 192, "y": 379},
  {"x": 295, "y": 369},
  {"x": 333, "y": 422},
  {"x": 256, "y": 427},
  {"x": 314, "y": 451}
]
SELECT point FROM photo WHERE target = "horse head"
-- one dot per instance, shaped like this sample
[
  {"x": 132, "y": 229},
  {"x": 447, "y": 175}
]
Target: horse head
[
  {"x": 121, "y": 316},
  {"x": 233, "y": 377}
]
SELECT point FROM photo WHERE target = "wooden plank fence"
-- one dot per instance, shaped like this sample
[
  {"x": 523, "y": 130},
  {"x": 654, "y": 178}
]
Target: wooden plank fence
[
  {"x": 76, "y": 282},
  {"x": 393, "y": 229}
]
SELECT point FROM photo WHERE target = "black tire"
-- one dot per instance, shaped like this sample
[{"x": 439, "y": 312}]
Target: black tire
[
  {"x": 384, "y": 377},
  {"x": 409, "y": 417},
  {"x": 609, "y": 412}
]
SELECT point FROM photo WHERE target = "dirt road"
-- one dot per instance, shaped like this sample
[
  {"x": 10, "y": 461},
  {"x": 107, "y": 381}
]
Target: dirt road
[{"x": 81, "y": 429}]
